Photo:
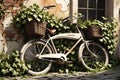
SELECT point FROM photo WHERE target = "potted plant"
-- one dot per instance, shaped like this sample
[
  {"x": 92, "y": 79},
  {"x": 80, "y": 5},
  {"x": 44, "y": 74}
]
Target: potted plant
[
  {"x": 91, "y": 28},
  {"x": 94, "y": 29},
  {"x": 31, "y": 19}
]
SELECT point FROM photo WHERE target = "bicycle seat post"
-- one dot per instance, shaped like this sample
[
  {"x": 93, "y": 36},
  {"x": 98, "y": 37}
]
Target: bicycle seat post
[{"x": 78, "y": 29}]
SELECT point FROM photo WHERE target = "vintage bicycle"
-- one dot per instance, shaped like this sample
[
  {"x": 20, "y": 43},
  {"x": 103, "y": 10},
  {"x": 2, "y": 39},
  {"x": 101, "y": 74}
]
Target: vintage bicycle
[{"x": 39, "y": 54}]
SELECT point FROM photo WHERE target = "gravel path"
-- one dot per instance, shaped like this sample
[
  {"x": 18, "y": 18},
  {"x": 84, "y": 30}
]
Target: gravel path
[{"x": 113, "y": 74}]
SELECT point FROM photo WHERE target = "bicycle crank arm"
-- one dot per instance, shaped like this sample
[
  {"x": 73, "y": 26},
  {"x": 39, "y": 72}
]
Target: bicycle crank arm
[{"x": 53, "y": 56}]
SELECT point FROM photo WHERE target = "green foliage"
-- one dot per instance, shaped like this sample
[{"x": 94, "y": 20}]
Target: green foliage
[
  {"x": 109, "y": 35},
  {"x": 74, "y": 65},
  {"x": 33, "y": 12},
  {"x": 1, "y": 10},
  {"x": 27, "y": 14},
  {"x": 11, "y": 65},
  {"x": 108, "y": 40}
]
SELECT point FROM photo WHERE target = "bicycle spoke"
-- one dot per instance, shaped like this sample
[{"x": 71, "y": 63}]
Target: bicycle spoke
[
  {"x": 34, "y": 64},
  {"x": 91, "y": 62}
]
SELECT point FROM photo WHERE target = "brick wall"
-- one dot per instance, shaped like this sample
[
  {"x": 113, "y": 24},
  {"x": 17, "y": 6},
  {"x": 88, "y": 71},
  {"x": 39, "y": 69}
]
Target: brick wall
[
  {"x": 10, "y": 38},
  {"x": 12, "y": 6}
]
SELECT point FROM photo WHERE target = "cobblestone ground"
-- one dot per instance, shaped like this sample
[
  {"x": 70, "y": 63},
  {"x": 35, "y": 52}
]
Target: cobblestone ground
[{"x": 113, "y": 74}]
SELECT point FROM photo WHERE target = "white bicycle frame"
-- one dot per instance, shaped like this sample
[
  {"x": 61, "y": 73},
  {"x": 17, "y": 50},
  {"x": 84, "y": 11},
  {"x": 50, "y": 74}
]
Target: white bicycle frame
[{"x": 73, "y": 36}]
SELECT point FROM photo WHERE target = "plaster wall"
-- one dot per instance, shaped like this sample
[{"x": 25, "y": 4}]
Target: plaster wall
[
  {"x": 116, "y": 12},
  {"x": 10, "y": 38},
  {"x": 61, "y": 10},
  {"x": 116, "y": 15}
]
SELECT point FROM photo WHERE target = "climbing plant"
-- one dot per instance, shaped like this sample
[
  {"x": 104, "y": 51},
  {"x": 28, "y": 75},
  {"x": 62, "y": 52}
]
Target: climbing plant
[
  {"x": 109, "y": 34},
  {"x": 11, "y": 65},
  {"x": 1, "y": 9},
  {"x": 33, "y": 12}
]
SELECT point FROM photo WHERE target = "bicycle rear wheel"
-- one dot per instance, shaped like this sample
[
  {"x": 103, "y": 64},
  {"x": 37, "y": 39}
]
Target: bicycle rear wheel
[
  {"x": 34, "y": 65},
  {"x": 91, "y": 62}
]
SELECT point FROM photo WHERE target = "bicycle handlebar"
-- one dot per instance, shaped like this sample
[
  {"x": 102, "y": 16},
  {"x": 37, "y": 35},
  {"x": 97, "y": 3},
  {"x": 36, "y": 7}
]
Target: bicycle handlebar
[
  {"x": 69, "y": 17},
  {"x": 48, "y": 7}
]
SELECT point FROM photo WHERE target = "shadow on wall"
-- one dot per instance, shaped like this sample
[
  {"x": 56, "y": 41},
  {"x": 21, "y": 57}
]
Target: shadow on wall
[{"x": 12, "y": 38}]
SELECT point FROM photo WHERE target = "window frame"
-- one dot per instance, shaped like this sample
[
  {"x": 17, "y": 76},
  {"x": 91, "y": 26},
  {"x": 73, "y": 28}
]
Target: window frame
[{"x": 87, "y": 9}]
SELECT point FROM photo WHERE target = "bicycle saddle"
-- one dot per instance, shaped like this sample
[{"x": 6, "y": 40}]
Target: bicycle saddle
[{"x": 51, "y": 31}]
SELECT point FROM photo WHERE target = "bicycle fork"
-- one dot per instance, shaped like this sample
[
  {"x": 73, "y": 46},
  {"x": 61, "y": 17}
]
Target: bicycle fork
[{"x": 86, "y": 44}]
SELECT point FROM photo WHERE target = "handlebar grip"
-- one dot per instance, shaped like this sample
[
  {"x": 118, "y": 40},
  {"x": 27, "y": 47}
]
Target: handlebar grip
[
  {"x": 65, "y": 19},
  {"x": 50, "y": 6}
]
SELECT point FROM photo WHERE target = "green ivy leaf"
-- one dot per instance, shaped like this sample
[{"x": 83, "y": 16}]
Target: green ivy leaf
[
  {"x": 38, "y": 19},
  {"x": 35, "y": 16},
  {"x": 15, "y": 73},
  {"x": 7, "y": 65},
  {"x": 11, "y": 69},
  {"x": 4, "y": 71},
  {"x": 14, "y": 65},
  {"x": 30, "y": 19}
]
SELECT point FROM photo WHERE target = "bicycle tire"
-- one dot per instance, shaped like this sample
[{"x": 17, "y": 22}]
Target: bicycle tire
[
  {"x": 89, "y": 61},
  {"x": 34, "y": 65}
]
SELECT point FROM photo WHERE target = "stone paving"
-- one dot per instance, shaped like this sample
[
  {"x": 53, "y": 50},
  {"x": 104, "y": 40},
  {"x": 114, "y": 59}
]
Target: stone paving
[{"x": 113, "y": 74}]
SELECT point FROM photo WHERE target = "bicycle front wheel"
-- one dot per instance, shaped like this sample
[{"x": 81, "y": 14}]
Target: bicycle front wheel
[
  {"x": 34, "y": 65},
  {"x": 93, "y": 57}
]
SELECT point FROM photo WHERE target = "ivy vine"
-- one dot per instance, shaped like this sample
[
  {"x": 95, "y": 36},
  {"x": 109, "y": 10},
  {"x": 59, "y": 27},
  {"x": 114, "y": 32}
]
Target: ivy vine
[
  {"x": 11, "y": 64},
  {"x": 33, "y": 12}
]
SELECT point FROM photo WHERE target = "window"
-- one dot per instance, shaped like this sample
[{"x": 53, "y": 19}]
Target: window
[{"x": 92, "y": 9}]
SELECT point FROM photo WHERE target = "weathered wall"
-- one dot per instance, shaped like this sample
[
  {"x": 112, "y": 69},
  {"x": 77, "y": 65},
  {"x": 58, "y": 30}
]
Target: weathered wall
[
  {"x": 116, "y": 8},
  {"x": 10, "y": 38},
  {"x": 116, "y": 15},
  {"x": 61, "y": 9}
]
